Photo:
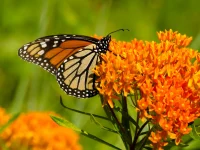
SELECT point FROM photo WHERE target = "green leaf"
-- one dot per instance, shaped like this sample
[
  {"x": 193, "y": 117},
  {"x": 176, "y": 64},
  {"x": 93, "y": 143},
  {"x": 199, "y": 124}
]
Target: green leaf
[
  {"x": 66, "y": 123},
  {"x": 194, "y": 134},
  {"x": 101, "y": 126},
  {"x": 81, "y": 112},
  {"x": 14, "y": 117}
]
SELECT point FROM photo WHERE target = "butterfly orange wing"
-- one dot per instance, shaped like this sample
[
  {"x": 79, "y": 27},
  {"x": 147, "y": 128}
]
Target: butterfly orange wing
[{"x": 49, "y": 52}]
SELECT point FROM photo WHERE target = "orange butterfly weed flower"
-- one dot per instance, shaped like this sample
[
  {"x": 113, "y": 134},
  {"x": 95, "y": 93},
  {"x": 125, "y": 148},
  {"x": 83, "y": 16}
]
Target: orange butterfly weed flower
[
  {"x": 37, "y": 131},
  {"x": 167, "y": 73}
]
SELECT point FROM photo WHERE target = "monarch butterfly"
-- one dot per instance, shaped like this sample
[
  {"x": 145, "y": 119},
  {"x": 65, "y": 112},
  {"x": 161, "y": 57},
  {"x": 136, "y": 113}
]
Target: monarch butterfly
[{"x": 70, "y": 58}]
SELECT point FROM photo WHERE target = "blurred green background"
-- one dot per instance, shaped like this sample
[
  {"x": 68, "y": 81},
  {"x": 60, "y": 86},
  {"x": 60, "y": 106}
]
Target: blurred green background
[{"x": 25, "y": 86}]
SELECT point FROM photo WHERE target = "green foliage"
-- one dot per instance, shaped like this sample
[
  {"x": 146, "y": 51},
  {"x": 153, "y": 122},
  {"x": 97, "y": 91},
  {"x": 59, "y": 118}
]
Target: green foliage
[
  {"x": 67, "y": 124},
  {"x": 24, "y": 86}
]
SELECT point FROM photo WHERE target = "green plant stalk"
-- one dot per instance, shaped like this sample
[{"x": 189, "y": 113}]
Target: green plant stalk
[
  {"x": 111, "y": 115},
  {"x": 82, "y": 112},
  {"x": 125, "y": 118},
  {"x": 137, "y": 134}
]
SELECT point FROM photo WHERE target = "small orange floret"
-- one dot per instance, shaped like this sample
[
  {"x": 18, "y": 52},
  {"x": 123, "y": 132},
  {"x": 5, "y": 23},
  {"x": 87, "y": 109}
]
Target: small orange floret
[{"x": 175, "y": 37}]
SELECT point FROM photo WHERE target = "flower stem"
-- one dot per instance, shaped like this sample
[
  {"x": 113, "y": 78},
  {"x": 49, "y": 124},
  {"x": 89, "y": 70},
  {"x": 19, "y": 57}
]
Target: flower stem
[
  {"x": 125, "y": 117},
  {"x": 137, "y": 134},
  {"x": 113, "y": 118}
]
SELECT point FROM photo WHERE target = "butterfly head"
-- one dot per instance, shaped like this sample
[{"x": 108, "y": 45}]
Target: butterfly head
[{"x": 103, "y": 44}]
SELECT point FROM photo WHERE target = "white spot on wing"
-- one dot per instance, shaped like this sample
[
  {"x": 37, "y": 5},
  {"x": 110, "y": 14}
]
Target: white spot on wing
[
  {"x": 47, "y": 40},
  {"x": 43, "y": 44},
  {"x": 71, "y": 57},
  {"x": 41, "y": 52},
  {"x": 25, "y": 47}
]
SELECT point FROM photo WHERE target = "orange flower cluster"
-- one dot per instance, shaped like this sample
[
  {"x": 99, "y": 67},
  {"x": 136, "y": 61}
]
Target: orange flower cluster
[
  {"x": 118, "y": 69},
  {"x": 36, "y": 131},
  {"x": 167, "y": 73}
]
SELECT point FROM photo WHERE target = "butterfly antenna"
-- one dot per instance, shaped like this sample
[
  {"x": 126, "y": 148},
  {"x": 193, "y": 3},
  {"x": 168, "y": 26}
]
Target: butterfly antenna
[{"x": 118, "y": 31}]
